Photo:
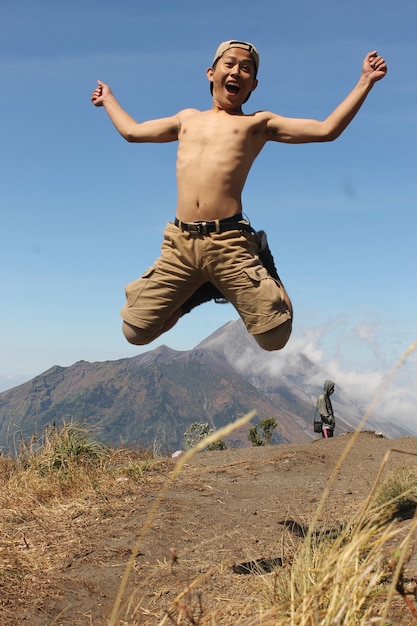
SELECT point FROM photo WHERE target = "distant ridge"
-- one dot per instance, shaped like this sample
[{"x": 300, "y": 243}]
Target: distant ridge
[{"x": 151, "y": 399}]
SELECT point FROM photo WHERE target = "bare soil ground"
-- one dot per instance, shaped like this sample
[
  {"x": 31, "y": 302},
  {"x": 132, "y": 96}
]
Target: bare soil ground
[{"x": 221, "y": 524}]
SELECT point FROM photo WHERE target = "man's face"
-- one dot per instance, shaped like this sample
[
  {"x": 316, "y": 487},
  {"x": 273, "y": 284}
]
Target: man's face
[{"x": 233, "y": 77}]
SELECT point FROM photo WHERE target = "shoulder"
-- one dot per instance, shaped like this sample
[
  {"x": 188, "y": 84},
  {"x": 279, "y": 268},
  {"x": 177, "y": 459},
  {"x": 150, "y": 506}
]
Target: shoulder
[
  {"x": 188, "y": 115},
  {"x": 267, "y": 116},
  {"x": 267, "y": 122},
  {"x": 188, "y": 112},
  {"x": 258, "y": 117}
]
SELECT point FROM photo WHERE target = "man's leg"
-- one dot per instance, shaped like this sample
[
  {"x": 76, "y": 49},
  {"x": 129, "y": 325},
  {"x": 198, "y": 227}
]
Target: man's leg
[
  {"x": 276, "y": 338},
  {"x": 139, "y": 337},
  {"x": 154, "y": 301},
  {"x": 244, "y": 281}
]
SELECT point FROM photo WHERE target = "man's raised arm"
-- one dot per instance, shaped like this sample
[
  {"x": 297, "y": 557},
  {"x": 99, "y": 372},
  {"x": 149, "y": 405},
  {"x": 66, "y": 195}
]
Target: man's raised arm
[
  {"x": 155, "y": 131},
  {"x": 292, "y": 130}
]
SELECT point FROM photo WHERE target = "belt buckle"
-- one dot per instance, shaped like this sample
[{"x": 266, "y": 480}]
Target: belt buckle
[{"x": 201, "y": 228}]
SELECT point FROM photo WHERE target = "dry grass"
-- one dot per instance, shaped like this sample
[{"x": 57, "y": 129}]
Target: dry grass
[
  {"x": 338, "y": 581},
  {"x": 398, "y": 490},
  {"x": 48, "y": 495}
]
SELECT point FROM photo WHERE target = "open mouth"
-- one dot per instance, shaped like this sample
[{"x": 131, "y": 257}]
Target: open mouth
[{"x": 232, "y": 88}]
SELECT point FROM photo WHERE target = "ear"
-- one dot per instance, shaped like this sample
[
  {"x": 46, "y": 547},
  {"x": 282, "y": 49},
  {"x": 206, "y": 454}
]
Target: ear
[
  {"x": 209, "y": 74},
  {"x": 255, "y": 84}
]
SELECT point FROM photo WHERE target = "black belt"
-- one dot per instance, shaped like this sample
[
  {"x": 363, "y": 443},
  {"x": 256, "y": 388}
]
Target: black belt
[{"x": 217, "y": 226}]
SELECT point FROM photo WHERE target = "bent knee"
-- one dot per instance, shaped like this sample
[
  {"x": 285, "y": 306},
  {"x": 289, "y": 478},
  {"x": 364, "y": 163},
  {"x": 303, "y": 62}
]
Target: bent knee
[
  {"x": 134, "y": 335},
  {"x": 141, "y": 337},
  {"x": 275, "y": 339}
]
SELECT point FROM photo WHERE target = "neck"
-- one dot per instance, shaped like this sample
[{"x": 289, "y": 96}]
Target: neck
[{"x": 227, "y": 108}]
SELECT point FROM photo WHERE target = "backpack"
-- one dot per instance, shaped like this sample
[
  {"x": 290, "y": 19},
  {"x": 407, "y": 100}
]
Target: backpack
[{"x": 317, "y": 424}]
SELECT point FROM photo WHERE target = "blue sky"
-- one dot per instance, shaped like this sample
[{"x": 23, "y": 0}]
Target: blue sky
[{"x": 82, "y": 211}]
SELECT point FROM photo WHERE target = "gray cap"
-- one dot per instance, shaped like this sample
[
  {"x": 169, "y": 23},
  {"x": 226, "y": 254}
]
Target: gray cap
[{"x": 233, "y": 43}]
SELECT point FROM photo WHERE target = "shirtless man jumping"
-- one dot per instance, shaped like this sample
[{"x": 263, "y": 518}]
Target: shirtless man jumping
[{"x": 209, "y": 241}]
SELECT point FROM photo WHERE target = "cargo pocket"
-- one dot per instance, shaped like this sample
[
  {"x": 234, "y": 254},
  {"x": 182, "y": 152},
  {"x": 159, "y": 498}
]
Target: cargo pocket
[
  {"x": 257, "y": 274},
  {"x": 134, "y": 289},
  {"x": 270, "y": 295}
]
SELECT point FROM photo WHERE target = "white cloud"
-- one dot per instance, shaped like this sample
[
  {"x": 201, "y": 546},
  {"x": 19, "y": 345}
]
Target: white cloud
[
  {"x": 367, "y": 374},
  {"x": 358, "y": 358}
]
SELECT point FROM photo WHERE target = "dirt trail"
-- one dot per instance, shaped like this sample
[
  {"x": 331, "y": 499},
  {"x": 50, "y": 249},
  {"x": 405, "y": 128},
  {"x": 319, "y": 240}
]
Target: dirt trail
[{"x": 226, "y": 511}]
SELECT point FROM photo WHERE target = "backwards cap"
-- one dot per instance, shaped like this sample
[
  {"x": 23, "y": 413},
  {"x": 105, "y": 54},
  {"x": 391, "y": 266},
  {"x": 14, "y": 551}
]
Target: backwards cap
[{"x": 226, "y": 45}]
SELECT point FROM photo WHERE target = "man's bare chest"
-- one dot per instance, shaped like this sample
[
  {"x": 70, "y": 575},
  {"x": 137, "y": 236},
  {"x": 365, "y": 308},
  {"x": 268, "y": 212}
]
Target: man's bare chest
[{"x": 227, "y": 137}]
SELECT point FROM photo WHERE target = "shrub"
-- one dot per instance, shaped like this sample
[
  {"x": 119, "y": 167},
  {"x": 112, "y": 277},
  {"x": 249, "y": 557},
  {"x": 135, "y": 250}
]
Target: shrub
[
  {"x": 217, "y": 445},
  {"x": 254, "y": 437},
  {"x": 263, "y": 438},
  {"x": 197, "y": 432},
  {"x": 268, "y": 426}
]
